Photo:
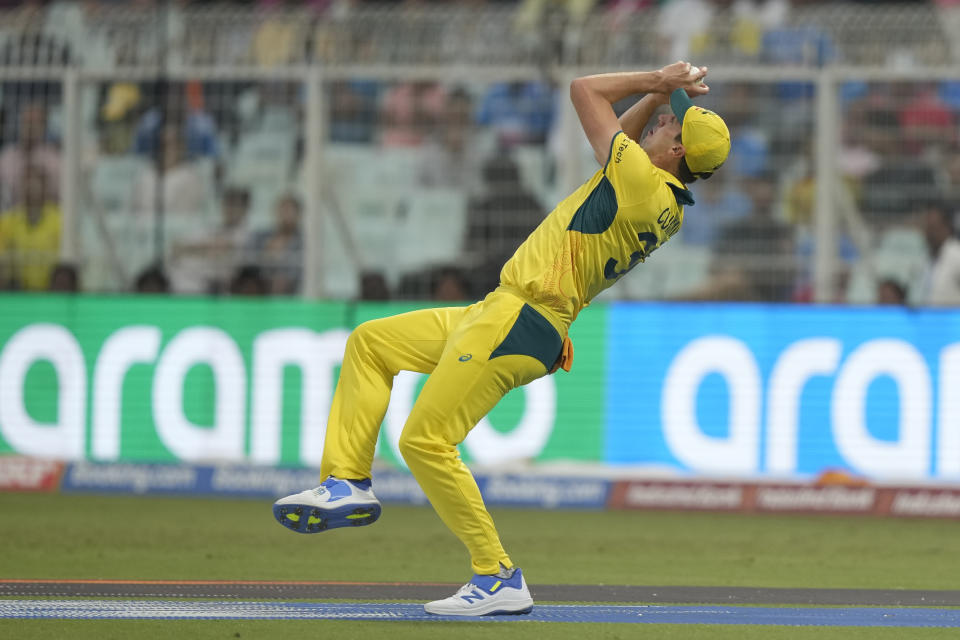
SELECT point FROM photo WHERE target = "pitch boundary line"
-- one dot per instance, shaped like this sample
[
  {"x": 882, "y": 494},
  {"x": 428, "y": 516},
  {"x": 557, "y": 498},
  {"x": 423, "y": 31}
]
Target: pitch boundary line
[
  {"x": 651, "y": 614},
  {"x": 342, "y": 590},
  {"x": 56, "y": 581}
]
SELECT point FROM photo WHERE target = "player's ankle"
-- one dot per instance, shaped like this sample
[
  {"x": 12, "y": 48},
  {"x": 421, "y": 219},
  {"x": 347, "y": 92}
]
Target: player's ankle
[{"x": 362, "y": 483}]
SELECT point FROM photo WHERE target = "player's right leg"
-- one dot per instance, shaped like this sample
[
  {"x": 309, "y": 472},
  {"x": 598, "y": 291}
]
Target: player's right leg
[
  {"x": 376, "y": 351},
  {"x": 503, "y": 344}
]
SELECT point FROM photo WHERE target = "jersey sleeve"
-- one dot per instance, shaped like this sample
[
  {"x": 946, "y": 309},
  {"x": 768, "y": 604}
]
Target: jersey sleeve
[{"x": 629, "y": 170}]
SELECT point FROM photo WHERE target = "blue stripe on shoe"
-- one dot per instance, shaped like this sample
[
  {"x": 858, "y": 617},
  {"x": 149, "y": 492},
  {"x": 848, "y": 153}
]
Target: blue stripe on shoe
[
  {"x": 489, "y": 582},
  {"x": 338, "y": 489}
]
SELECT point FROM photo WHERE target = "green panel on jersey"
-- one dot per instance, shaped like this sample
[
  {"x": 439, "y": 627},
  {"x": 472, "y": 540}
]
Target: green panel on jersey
[
  {"x": 598, "y": 211},
  {"x": 683, "y": 196},
  {"x": 531, "y": 335}
]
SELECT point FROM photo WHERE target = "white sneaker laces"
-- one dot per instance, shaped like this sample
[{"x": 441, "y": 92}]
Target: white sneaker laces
[{"x": 465, "y": 589}]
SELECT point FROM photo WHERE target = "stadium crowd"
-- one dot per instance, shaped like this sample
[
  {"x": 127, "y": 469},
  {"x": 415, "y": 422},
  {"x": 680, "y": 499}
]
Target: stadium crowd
[{"x": 198, "y": 186}]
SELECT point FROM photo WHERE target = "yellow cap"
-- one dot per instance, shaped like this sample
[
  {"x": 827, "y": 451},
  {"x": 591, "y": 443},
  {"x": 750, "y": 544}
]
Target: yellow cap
[{"x": 704, "y": 134}]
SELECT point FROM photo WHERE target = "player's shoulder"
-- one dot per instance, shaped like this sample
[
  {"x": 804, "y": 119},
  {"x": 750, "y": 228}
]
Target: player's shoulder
[
  {"x": 628, "y": 158},
  {"x": 622, "y": 148}
]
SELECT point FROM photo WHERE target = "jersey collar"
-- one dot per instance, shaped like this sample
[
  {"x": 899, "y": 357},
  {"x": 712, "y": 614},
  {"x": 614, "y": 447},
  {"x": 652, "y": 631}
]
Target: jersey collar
[
  {"x": 682, "y": 195},
  {"x": 680, "y": 192}
]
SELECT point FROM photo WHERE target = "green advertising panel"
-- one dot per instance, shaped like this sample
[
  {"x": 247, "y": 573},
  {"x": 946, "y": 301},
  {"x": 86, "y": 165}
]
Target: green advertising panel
[{"x": 155, "y": 379}]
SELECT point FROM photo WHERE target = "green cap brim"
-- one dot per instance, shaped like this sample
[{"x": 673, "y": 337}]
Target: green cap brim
[{"x": 679, "y": 103}]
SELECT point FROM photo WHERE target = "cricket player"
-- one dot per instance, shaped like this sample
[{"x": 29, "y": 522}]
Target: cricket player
[{"x": 517, "y": 333}]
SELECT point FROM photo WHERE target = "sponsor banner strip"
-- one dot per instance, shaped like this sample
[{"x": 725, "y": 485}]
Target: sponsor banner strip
[
  {"x": 933, "y": 502},
  {"x": 534, "y": 491},
  {"x": 22, "y": 473},
  {"x": 269, "y": 482}
]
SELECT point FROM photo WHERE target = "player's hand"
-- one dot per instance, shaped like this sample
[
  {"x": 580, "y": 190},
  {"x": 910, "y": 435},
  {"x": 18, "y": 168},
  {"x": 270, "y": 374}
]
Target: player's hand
[{"x": 683, "y": 75}]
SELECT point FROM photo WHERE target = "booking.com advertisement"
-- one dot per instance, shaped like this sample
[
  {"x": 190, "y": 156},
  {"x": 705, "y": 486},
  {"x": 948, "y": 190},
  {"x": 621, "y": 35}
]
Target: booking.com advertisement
[{"x": 747, "y": 391}]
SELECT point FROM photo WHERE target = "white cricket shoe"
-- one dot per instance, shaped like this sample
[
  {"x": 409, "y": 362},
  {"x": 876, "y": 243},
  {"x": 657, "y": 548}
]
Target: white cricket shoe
[
  {"x": 335, "y": 503},
  {"x": 486, "y": 596}
]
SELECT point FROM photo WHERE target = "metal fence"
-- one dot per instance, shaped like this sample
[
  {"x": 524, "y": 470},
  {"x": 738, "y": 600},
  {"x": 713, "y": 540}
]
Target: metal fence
[{"x": 405, "y": 152}]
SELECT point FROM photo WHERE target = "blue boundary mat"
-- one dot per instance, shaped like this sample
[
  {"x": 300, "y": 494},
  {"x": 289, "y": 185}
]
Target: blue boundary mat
[{"x": 233, "y": 610}]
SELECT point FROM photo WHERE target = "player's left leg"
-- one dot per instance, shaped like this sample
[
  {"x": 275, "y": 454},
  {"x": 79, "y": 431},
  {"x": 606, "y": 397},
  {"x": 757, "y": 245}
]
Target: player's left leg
[{"x": 375, "y": 352}]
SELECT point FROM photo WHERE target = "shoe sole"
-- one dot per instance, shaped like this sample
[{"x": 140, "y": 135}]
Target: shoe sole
[
  {"x": 306, "y": 518},
  {"x": 522, "y": 612},
  {"x": 495, "y": 612}
]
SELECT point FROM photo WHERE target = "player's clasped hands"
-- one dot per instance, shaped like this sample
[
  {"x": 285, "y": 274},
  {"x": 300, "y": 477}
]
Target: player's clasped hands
[{"x": 683, "y": 75}]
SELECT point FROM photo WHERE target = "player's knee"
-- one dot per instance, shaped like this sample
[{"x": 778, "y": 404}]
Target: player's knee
[
  {"x": 359, "y": 338},
  {"x": 411, "y": 447},
  {"x": 415, "y": 447}
]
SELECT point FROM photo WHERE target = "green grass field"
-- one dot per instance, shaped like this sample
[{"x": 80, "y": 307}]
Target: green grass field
[{"x": 151, "y": 538}]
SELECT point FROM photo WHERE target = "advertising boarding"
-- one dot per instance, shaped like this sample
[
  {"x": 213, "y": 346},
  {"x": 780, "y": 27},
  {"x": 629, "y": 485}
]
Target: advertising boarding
[{"x": 677, "y": 390}]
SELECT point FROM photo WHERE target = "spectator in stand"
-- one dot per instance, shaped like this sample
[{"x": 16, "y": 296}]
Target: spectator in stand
[
  {"x": 65, "y": 278},
  {"x": 30, "y": 236},
  {"x": 543, "y": 26},
  {"x": 724, "y": 199},
  {"x": 752, "y": 127},
  {"x": 248, "y": 280},
  {"x": 450, "y": 156},
  {"x": 797, "y": 45},
  {"x": 121, "y": 111},
  {"x": 186, "y": 113},
  {"x": 353, "y": 111},
  {"x": 751, "y": 19},
  {"x": 281, "y": 37},
  {"x": 519, "y": 112},
  {"x": 373, "y": 286},
  {"x": 333, "y": 40},
  {"x": 184, "y": 189},
  {"x": 499, "y": 220},
  {"x": 32, "y": 148},
  {"x": 687, "y": 28},
  {"x": 684, "y": 28},
  {"x": 619, "y": 36},
  {"x": 951, "y": 175},
  {"x": 409, "y": 110},
  {"x": 450, "y": 284},
  {"x": 899, "y": 181},
  {"x": 205, "y": 263},
  {"x": 753, "y": 257},
  {"x": 720, "y": 201},
  {"x": 279, "y": 251},
  {"x": 860, "y": 151},
  {"x": 927, "y": 124},
  {"x": 278, "y": 109},
  {"x": 941, "y": 286},
  {"x": 761, "y": 245},
  {"x": 891, "y": 292},
  {"x": 153, "y": 279}
]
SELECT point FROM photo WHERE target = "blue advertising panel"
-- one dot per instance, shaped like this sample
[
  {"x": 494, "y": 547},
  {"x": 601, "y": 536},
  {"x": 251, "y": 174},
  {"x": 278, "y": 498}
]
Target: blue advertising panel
[{"x": 749, "y": 390}]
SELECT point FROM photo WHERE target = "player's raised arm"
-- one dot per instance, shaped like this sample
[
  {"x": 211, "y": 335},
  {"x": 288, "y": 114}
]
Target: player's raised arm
[{"x": 593, "y": 98}]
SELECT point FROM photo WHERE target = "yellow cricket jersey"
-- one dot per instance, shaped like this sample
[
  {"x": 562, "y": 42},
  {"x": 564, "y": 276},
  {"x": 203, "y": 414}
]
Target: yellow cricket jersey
[
  {"x": 597, "y": 234},
  {"x": 31, "y": 250}
]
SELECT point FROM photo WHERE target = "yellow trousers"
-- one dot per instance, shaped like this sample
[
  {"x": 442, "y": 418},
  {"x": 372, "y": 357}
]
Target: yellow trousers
[{"x": 474, "y": 356}]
